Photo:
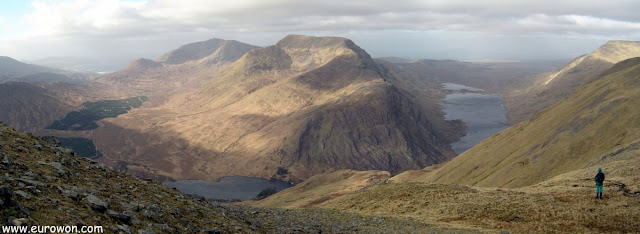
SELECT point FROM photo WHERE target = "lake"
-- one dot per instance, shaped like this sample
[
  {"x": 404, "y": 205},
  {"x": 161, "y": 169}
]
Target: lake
[
  {"x": 228, "y": 188},
  {"x": 484, "y": 114}
]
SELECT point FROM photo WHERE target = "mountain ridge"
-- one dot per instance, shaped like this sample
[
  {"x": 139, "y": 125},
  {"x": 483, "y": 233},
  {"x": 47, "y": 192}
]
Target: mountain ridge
[
  {"x": 543, "y": 90},
  {"x": 332, "y": 97}
]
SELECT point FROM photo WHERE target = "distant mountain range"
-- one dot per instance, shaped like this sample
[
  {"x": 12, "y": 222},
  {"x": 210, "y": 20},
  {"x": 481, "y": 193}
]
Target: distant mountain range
[{"x": 14, "y": 70}]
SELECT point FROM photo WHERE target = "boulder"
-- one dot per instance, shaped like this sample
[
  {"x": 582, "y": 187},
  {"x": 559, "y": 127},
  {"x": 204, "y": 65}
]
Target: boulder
[{"x": 96, "y": 203}]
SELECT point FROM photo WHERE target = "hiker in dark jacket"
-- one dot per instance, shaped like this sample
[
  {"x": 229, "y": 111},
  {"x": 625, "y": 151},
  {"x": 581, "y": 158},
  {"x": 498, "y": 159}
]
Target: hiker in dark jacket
[{"x": 599, "y": 179}]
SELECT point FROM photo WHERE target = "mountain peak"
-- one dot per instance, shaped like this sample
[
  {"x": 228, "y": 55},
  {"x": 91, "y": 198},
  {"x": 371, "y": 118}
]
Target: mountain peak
[
  {"x": 303, "y": 41},
  {"x": 223, "y": 49},
  {"x": 616, "y": 51},
  {"x": 309, "y": 52}
]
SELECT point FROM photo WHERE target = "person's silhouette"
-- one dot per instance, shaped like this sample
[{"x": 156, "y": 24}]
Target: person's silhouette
[{"x": 599, "y": 180}]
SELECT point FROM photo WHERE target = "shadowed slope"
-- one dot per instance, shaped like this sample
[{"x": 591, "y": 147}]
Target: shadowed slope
[{"x": 29, "y": 107}]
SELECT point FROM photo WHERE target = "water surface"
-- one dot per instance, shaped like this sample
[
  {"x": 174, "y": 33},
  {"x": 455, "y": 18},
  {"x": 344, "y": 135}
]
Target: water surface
[{"x": 484, "y": 114}]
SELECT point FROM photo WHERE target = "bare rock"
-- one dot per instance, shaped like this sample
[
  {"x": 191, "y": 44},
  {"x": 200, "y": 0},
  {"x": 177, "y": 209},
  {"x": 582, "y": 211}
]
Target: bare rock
[
  {"x": 23, "y": 194},
  {"x": 96, "y": 203}
]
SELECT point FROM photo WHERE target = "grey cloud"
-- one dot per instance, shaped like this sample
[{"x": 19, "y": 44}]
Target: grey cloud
[{"x": 147, "y": 30}]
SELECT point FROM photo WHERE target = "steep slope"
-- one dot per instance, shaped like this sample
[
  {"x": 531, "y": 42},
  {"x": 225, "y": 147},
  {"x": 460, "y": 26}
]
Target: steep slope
[
  {"x": 214, "y": 50},
  {"x": 544, "y": 90},
  {"x": 598, "y": 121},
  {"x": 306, "y": 104}
]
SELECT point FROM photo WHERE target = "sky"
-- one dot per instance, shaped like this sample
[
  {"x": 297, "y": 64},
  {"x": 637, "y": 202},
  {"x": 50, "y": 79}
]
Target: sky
[{"x": 115, "y": 32}]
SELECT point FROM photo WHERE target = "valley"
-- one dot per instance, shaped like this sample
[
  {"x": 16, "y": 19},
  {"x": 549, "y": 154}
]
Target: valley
[{"x": 312, "y": 127}]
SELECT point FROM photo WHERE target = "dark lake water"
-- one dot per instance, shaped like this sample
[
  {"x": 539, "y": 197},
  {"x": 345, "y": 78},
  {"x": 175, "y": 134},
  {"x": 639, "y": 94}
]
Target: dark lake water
[
  {"x": 484, "y": 114},
  {"x": 228, "y": 188}
]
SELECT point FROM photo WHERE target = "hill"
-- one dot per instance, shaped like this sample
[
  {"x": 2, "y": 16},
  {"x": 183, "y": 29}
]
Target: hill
[
  {"x": 29, "y": 107},
  {"x": 305, "y": 105},
  {"x": 322, "y": 187},
  {"x": 15, "y": 68},
  {"x": 541, "y": 91},
  {"x": 596, "y": 122},
  {"x": 44, "y": 185}
]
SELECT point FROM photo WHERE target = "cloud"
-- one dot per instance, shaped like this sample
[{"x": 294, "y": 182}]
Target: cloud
[
  {"x": 107, "y": 27},
  {"x": 142, "y": 18}
]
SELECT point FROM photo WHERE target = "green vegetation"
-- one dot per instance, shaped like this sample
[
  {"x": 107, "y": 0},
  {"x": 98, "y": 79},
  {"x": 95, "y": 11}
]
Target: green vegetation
[
  {"x": 94, "y": 111},
  {"x": 82, "y": 147}
]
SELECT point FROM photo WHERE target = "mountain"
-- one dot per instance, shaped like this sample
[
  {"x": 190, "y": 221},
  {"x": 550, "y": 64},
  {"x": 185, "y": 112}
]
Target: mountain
[
  {"x": 596, "y": 123},
  {"x": 44, "y": 185},
  {"x": 188, "y": 67},
  {"x": 543, "y": 90},
  {"x": 303, "y": 106},
  {"x": 491, "y": 76},
  {"x": 29, "y": 107},
  {"x": 214, "y": 50},
  {"x": 534, "y": 176},
  {"x": 15, "y": 68},
  {"x": 394, "y": 59}
]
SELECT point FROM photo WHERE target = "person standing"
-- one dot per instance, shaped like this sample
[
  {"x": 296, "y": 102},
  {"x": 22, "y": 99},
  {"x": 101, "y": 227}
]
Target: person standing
[{"x": 599, "y": 180}]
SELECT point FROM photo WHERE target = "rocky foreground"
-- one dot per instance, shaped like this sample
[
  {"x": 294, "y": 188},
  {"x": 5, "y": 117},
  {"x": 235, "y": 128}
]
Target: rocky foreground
[{"x": 43, "y": 184}]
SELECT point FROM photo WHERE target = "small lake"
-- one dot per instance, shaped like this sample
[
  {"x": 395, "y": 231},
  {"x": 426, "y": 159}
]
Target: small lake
[
  {"x": 228, "y": 188},
  {"x": 484, "y": 114}
]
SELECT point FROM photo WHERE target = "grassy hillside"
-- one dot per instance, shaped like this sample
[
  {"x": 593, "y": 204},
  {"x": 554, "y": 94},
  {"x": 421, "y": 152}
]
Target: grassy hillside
[
  {"x": 538, "y": 92},
  {"x": 320, "y": 188},
  {"x": 598, "y": 121},
  {"x": 562, "y": 204}
]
